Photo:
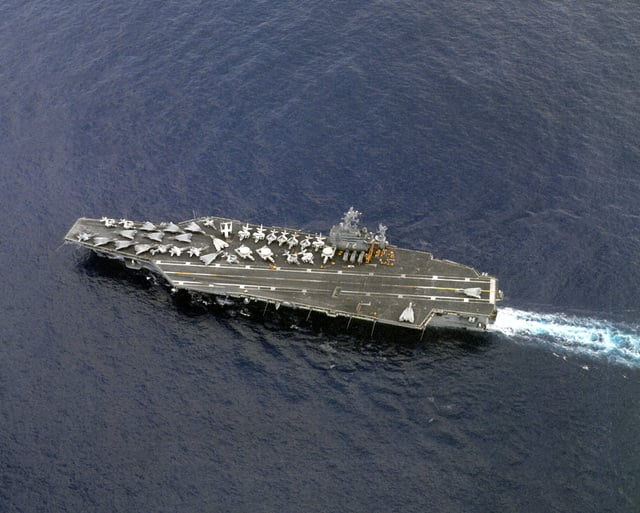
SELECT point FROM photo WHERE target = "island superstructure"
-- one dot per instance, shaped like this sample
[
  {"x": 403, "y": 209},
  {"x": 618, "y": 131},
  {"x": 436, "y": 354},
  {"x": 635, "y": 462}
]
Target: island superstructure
[{"x": 353, "y": 272}]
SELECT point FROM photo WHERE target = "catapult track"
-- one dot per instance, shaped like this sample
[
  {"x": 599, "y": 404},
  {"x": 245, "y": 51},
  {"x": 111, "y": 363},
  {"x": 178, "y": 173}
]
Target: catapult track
[{"x": 380, "y": 283}]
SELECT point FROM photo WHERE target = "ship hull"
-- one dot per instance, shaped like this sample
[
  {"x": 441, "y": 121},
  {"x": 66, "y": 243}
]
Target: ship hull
[{"x": 226, "y": 258}]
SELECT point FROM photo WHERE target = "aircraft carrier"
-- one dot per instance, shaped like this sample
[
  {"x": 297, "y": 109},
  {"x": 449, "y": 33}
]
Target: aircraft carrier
[{"x": 352, "y": 272}]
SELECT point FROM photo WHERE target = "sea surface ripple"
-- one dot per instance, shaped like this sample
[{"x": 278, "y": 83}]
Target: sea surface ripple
[{"x": 500, "y": 134}]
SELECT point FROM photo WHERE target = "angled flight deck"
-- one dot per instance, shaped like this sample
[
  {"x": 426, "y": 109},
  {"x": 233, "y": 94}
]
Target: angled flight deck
[{"x": 351, "y": 272}]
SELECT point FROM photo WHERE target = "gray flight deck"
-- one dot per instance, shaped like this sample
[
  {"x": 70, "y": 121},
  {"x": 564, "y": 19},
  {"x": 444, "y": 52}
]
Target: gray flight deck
[{"x": 281, "y": 266}]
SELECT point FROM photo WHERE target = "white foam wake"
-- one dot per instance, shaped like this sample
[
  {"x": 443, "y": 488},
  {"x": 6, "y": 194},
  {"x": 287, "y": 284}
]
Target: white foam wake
[{"x": 585, "y": 335}]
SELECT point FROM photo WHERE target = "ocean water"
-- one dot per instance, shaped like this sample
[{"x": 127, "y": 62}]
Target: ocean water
[{"x": 500, "y": 134}]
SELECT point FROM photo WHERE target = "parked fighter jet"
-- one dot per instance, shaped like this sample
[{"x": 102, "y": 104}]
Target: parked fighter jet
[
  {"x": 219, "y": 244},
  {"x": 128, "y": 234},
  {"x": 171, "y": 228},
  {"x": 101, "y": 241},
  {"x": 193, "y": 227},
  {"x": 123, "y": 244},
  {"x": 108, "y": 222},
  {"x": 83, "y": 236},
  {"x": 141, "y": 248},
  {"x": 210, "y": 257},
  {"x": 156, "y": 236},
  {"x": 184, "y": 237},
  {"x": 160, "y": 248},
  {"x": 407, "y": 314},
  {"x": 209, "y": 223},
  {"x": 195, "y": 251}
]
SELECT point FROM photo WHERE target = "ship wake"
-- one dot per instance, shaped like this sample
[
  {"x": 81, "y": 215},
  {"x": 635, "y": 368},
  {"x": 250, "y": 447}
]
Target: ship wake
[{"x": 595, "y": 338}]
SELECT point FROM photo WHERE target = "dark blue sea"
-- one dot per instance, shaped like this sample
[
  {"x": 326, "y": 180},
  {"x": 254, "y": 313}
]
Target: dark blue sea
[{"x": 501, "y": 134}]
